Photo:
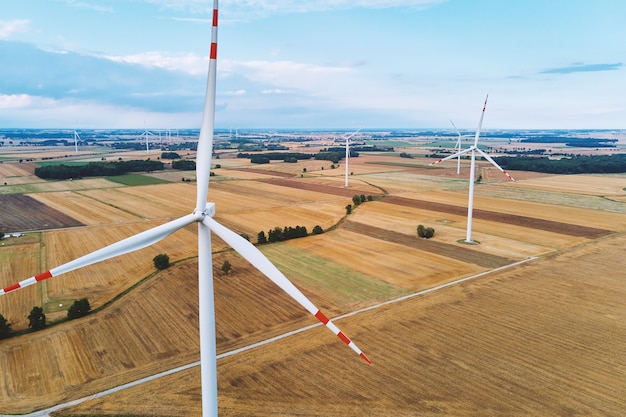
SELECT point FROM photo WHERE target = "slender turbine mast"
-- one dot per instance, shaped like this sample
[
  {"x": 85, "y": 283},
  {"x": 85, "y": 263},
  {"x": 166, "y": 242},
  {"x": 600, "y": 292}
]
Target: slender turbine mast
[
  {"x": 202, "y": 215},
  {"x": 348, "y": 153},
  {"x": 457, "y": 147},
  {"x": 76, "y": 137},
  {"x": 474, "y": 149}
]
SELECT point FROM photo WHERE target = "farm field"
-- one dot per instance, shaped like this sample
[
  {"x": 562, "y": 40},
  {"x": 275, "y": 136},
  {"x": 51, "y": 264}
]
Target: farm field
[
  {"x": 540, "y": 339},
  {"x": 511, "y": 341}
]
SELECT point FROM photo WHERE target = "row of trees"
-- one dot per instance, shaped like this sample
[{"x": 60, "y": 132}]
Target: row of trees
[
  {"x": 37, "y": 317},
  {"x": 96, "y": 169},
  {"x": 575, "y": 165},
  {"x": 279, "y": 234}
]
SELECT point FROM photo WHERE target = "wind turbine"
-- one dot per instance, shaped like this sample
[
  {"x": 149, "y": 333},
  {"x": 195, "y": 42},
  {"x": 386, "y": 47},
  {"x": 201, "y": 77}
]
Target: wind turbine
[
  {"x": 474, "y": 149},
  {"x": 147, "y": 133},
  {"x": 457, "y": 147},
  {"x": 348, "y": 153},
  {"x": 76, "y": 137},
  {"x": 202, "y": 215}
]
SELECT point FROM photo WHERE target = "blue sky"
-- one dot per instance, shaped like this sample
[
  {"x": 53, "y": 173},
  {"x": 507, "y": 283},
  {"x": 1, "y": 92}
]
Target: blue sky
[{"x": 314, "y": 64}]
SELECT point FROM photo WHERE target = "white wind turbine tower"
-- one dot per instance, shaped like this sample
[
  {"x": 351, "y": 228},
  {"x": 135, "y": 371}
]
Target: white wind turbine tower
[
  {"x": 457, "y": 147},
  {"x": 474, "y": 149},
  {"x": 348, "y": 153},
  {"x": 202, "y": 215},
  {"x": 147, "y": 133},
  {"x": 76, "y": 137}
]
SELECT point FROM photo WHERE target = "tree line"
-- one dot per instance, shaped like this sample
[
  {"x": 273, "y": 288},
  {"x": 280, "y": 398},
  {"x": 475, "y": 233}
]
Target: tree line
[
  {"x": 96, "y": 169},
  {"x": 279, "y": 234},
  {"x": 37, "y": 317},
  {"x": 596, "y": 164}
]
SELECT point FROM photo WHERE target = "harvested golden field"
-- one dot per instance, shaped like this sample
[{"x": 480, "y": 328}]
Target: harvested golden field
[
  {"x": 578, "y": 184},
  {"x": 102, "y": 281},
  {"x": 84, "y": 209},
  {"x": 531, "y": 209},
  {"x": 543, "y": 338},
  {"x": 510, "y": 241},
  {"x": 393, "y": 263},
  {"x": 253, "y": 221},
  {"x": 20, "y": 257},
  {"x": 15, "y": 170},
  {"x": 161, "y": 201}
]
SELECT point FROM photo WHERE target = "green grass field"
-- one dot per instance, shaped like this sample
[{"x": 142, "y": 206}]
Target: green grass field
[
  {"x": 339, "y": 284},
  {"x": 135, "y": 179}
]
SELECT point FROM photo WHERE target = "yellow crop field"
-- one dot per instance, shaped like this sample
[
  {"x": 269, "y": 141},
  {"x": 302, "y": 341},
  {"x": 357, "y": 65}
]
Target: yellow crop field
[
  {"x": 542, "y": 337},
  {"x": 253, "y": 221},
  {"x": 578, "y": 184},
  {"x": 20, "y": 260},
  {"x": 159, "y": 201},
  {"x": 572, "y": 215},
  {"x": 104, "y": 280},
  {"x": 510, "y": 343},
  {"x": 395, "y": 264},
  {"x": 84, "y": 209}
]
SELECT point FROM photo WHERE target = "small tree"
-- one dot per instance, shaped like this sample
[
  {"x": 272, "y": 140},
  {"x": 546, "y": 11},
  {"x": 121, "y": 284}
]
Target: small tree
[
  {"x": 261, "y": 238},
  {"x": 356, "y": 199},
  {"x": 36, "y": 319},
  {"x": 5, "y": 327},
  {"x": 80, "y": 308},
  {"x": 161, "y": 261},
  {"x": 318, "y": 230},
  {"x": 425, "y": 232},
  {"x": 226, "y": 267},
  {"x": 349, "y": 209}
]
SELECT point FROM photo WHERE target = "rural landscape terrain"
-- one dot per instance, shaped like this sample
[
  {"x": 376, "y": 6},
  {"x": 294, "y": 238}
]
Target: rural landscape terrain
[{"x": 529, "y": 320}]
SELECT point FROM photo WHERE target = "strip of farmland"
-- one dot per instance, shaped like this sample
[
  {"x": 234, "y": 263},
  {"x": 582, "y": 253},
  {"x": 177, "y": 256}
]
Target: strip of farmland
[
  {"x": 459, "y": 253},
  {"x": 22, "y": 213},
  {"x": 547, "y": 225}
]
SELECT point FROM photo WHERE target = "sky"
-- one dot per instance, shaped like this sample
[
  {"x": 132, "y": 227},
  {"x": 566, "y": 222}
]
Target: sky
[{"x": 314, "y": 64}]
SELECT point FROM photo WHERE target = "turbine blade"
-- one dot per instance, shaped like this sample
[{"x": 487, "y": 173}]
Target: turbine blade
[
  {"x": 480, "y": 123},
  {"x": 495, "y": 164},
  {"x": 463, "y": 152},
  {"x": 122, "y": 247},
  {"x": 352, "y": 134},
  {"x": 259, "y": 261},
  {"x": 205, "y": 140}
]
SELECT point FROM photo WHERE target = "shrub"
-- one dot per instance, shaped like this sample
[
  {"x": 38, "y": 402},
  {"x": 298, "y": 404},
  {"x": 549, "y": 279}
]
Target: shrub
[
  {"x": 80, "y": 308},
  {"x": 161, "y": 261}
]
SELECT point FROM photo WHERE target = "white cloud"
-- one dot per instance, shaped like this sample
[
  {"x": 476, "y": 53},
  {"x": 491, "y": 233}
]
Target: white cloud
[
  {"x": 10, "y": 27},
  {"x": 265, "y": 7},
  {"x": 183, "y": 62}
]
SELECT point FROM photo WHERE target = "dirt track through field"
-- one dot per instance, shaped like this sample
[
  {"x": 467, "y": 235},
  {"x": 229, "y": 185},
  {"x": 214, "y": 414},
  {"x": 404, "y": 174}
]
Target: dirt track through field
[
  {"x": 445, "y": 249},
  {"x": 546, "y": 225}
]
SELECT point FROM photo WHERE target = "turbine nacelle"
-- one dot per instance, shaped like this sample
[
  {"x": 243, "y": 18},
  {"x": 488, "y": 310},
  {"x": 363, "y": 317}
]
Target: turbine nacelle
[{"x": 209, "y": 210}]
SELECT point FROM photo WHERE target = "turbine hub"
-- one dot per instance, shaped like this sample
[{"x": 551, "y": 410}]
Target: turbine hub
[{"x": 209, "y": 210}]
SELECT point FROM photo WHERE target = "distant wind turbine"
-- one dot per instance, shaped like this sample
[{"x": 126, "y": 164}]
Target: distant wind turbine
[
  {"x": 348, "y": 153},
  {"x": 202, "y": 215},
  {"x": 457, "y": 147},
  {"x": 76, "y": 137},
  {"x": 147, "y": 133},
  {"x": 474, "y": 149}
]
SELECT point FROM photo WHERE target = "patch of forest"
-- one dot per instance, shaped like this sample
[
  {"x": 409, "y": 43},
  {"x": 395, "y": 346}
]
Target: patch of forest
[
  {"x": 96, "y": 169},
  {"x": 595, "y": 164}
]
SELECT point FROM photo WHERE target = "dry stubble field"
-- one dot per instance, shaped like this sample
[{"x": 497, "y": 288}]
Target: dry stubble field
[{"x": 536, "y": 339}]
